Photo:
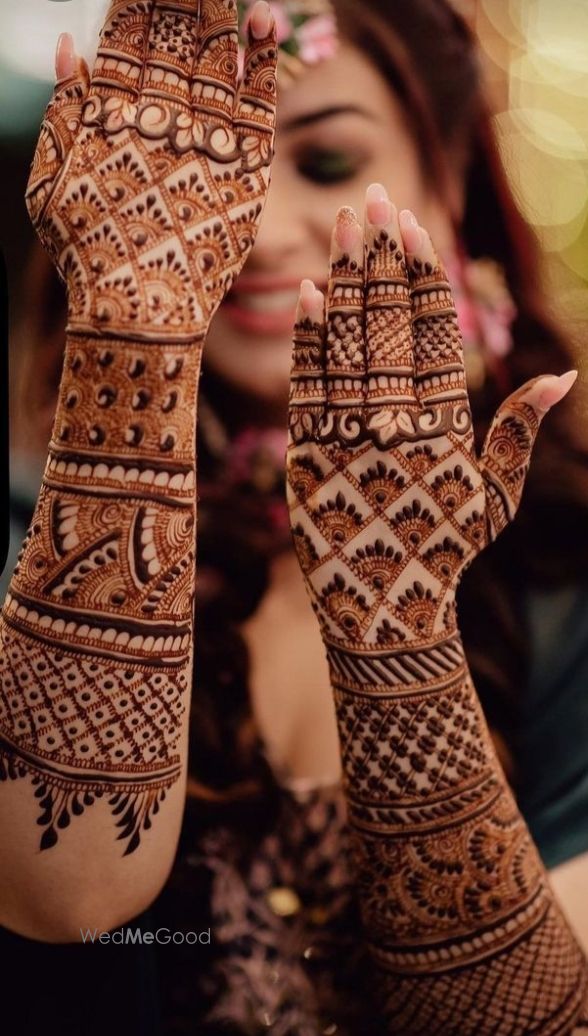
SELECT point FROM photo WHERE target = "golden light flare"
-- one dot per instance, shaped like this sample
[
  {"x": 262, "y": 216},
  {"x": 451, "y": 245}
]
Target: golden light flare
[
  {"x": 503, "y": 19},
  {"x": 551, "y": 193},
  {"x": 551, "y": 133},
  {"x": 537, "y": 56}
]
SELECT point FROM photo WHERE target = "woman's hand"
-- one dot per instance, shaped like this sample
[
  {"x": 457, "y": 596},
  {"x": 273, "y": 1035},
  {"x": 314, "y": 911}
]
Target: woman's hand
[
  {"x": 149, "y": 178},
  {"x": 389, "y": 502},
  {"x": 147, "y": 188}
]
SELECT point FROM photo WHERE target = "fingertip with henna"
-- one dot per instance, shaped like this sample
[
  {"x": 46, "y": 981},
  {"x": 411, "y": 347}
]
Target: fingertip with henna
[
  {"x": 410, "y": 231},
  {"x": 378, "y": 205},
  {"x": 261, "y": 20},
  {"x": 312, "y": 302},
  {"x": 348, "y": 236}
]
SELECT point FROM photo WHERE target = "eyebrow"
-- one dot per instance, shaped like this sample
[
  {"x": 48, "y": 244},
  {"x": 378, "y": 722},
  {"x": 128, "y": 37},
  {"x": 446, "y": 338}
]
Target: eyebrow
[{"x": 311, "y": 118}]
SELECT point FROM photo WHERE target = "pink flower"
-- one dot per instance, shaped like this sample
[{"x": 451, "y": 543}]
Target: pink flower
[
  {"x": 318, "y": 39},
  {"x": 496, "y": 327},
  {"x": 485, "y": 309},
  {"x": 466, "y": 316}
]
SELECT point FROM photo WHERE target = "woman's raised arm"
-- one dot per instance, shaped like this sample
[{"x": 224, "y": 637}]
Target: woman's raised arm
[
  {"x": 147, "y": 189},
  {"x": 389, "y": 503}
]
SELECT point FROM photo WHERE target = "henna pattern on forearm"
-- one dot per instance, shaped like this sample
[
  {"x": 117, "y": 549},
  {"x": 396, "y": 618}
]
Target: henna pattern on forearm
[
  {"x": 389, "y": 504},
  {"x": 147, "y": 190}
]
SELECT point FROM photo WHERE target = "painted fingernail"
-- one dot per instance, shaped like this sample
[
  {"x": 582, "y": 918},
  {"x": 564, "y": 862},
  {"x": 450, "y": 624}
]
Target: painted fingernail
[
  {"x": 409, "y": 217},
  {"x": 65, "y": 58},
  {"x": 427, "y": 251},
  {"x": 311, "y": 301},
  {"x": 378, "y": 205},
  {"x": 348, "y": 231},
  {"x": 410, "y": 231},
  {"x": 551, "y": 390},
  {"x": 261, "y": 20}
]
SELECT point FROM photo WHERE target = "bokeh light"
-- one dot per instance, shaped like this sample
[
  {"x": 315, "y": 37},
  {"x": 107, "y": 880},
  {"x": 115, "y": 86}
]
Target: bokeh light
[{"x": 536, "y": 54}]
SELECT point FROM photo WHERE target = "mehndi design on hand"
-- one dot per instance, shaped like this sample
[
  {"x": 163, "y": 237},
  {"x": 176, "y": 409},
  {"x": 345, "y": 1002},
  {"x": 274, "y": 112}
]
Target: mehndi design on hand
[
  {"x": 148, "y": 183},
  {"x": 147, "y": 188},
  {"x": 389, "y": 504}
]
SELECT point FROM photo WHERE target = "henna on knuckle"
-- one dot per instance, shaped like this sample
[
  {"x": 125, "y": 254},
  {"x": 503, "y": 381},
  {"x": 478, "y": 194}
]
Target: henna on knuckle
[
  {"x": 389, "y": 504},
  {"x": 149, "y": 209},
  {"x": 204, "y": 154}
]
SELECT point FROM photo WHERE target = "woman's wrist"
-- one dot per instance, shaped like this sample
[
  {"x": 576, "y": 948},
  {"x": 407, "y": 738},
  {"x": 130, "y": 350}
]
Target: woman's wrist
[
  {"x": 102, "y": 596},
  {"x": 133, "y": 403},
  {"x": 398, "y": 664}
]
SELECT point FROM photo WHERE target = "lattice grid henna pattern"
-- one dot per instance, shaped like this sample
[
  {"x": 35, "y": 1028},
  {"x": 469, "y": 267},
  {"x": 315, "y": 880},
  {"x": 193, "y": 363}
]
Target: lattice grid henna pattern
[
  {"x": 97, "y": 625},
  {"x": 389, "y": 504},
  {"x": 146, "y": 188}
]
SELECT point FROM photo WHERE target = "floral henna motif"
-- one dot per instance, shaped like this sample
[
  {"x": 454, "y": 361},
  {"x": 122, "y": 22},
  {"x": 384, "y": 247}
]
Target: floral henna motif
[
  {"x": 148, "y": 184},
  {"x": 147, "y": 188},
  {"x": 389, "y": 504},
  {"x": 96, "y": 628}
]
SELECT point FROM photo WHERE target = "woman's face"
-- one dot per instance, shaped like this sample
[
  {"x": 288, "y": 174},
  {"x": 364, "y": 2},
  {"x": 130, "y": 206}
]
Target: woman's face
[{"x": 340, "y": 128}]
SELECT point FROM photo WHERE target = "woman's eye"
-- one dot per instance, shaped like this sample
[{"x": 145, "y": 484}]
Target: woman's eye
[{"x": 327, "y": 166}]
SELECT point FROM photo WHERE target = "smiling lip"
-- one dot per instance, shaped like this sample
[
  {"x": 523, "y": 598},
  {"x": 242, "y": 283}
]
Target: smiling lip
[{"x": 263, "y": 305}]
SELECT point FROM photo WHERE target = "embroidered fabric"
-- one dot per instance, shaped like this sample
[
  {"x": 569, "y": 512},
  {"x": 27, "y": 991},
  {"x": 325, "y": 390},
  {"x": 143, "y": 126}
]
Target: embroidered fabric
[{"x": 286, "y": 925}]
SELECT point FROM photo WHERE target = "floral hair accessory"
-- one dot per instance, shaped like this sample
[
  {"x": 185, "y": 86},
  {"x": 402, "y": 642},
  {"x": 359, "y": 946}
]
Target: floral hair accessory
[
  {"x": 486, "y": 313},
  {"x": 306, "y": 30}
]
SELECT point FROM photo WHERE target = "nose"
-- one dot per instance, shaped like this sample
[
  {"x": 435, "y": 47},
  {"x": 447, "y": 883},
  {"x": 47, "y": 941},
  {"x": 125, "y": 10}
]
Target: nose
[{"x": 283, "y": 232}]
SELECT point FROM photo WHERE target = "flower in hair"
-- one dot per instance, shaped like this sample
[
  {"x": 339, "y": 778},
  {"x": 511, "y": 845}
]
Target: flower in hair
[
  {"x": 318, "y": 39},
  {"x": 486, "y": 313},
  {"x": 306, "y": 32}
]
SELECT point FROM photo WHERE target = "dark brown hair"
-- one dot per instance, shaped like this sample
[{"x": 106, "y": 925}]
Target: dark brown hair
[{"x": 428, "y": 55}]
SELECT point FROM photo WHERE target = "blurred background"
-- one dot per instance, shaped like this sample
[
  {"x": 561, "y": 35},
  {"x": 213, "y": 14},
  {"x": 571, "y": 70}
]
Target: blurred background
[{"x": 536, "y": 56}]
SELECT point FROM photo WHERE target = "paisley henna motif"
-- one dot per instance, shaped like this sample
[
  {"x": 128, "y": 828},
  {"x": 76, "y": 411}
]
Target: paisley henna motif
[
  {"x": 147, "y": 188},
  {"x": 389, "y": 504}
]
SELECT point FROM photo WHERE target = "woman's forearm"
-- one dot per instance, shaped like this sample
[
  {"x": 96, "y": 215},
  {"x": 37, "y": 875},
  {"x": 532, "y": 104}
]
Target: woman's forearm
[
  {"x": 96, "y": 638},
  {"x": 147, "y": 188},
  {"x": 389, "y": 503},
  {"x": 457, "y": 908}
]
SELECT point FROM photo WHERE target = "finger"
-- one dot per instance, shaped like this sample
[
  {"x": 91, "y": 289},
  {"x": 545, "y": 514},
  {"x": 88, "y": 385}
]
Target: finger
[
  {"x": 255, "y": 105},
  {"x": 171, "y": 49},
  {"x": 59, "y": 127},
  {"x": 507, "y": 451},
  {"x": 439, "y": 361},
  {"x": 307, "y": 384},
  {"x": 65, "y": 58},
  {"x": 389, "y": 341},
  {"x": 345, "y": 349},
  {"x": 83, "y": 70},
  {"x": 121, "y": 51},
  {"x": 216, "y": 68}
]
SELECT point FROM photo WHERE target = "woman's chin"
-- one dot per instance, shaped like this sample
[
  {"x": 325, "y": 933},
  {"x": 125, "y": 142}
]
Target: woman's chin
[{"x": 252, "y": 365}]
